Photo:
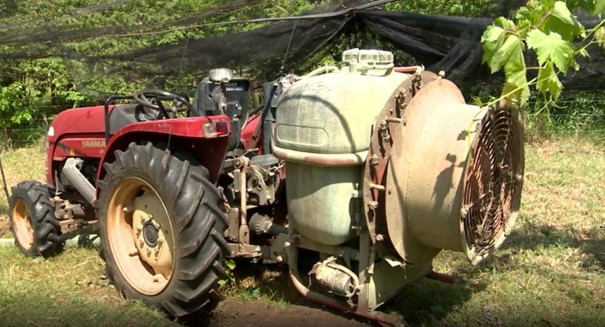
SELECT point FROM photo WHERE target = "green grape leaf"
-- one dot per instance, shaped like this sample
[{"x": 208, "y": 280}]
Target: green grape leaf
[
  {"x": 561, "y": 21},
  {"x": 515, "y": 94},
  {"x": 230, "y": 264},
  {"x": 516, "y": 78},
  {"x": 508, "y": 51},
  {"x": 515, "y": 64},
  {"x": 531, "y": 14},
  {"x": 548, "y": 81},
  {"x": 492, "y": 38},
  {"x": 504, "y": 23},
  {"x": 495, "y": 44},
  {"x": 600, "y": 36},
  {"x": 551, "y": 47},
  {"x": 599, "y": 7}
]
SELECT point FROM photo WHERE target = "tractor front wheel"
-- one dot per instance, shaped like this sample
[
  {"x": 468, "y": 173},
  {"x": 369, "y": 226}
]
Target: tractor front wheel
[
  {"x": 161, "y": 229},
  {"x": 32, "y": 220}
]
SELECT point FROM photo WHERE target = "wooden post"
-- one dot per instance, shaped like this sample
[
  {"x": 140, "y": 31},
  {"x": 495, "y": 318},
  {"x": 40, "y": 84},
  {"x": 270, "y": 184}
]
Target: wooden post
[{"x": 3, "y": 179}]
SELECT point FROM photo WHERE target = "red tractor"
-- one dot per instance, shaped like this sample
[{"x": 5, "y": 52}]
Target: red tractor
[{"x": 385, "y": 167}]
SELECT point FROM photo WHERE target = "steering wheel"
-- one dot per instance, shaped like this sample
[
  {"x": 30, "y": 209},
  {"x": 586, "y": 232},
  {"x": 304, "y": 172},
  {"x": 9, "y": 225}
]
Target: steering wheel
[{"x": 182, "y": 104}]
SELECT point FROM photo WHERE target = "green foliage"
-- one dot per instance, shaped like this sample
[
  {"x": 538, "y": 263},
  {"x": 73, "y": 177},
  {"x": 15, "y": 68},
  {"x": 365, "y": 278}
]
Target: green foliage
[
  {"x": 552, "y": 32},
  {"x": 11, "y": 97},
  {"x": 548, "y": 82},
  {"x": 600, "y": 36},
  {"x": 471, "y": 8},
  {"x": 576, "y": 113},
  {"x": 504, "y": 50},
  {"x": 33, "y": 89},
  {"x": 29, "y": 87},
  {"x": 229, "y": 268},
  {"x": 551, "y": 48}
]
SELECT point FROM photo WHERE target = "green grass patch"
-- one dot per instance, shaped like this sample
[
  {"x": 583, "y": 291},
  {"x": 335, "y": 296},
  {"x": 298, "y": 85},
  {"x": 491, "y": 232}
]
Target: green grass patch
[
  {"x": 19, "y": 165},
  {"x": 69, "y": 290},
  {"x": 550, "y": 272}
]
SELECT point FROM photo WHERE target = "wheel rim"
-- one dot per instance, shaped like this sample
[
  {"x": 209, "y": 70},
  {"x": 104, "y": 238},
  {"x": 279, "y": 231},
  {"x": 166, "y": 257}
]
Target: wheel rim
[
  {"x": 140, "y": 236},
  {"x": 22, "y": 225}
]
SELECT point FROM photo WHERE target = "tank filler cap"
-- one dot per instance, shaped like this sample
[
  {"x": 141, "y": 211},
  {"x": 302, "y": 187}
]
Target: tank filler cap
[{"x": 368, "y": 61}]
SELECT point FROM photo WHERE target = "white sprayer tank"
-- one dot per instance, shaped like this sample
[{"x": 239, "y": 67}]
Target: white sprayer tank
[{"x": 323, "y": 129}]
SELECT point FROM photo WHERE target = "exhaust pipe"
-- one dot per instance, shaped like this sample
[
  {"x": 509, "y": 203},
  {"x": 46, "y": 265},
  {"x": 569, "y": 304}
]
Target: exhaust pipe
[{"x": 71, "y": 171}]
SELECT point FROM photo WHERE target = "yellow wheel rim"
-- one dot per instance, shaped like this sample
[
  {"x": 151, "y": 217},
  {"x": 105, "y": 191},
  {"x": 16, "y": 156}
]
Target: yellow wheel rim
[
  {"x": 140, "y": 236},
  {"x": 22, "y": 225}
]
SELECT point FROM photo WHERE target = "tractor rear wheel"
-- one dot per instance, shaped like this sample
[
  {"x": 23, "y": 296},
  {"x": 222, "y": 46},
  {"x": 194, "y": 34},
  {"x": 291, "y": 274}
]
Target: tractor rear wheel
[
  {"x": 32, "y": 220},
  {"x": 161, "y": 229}
]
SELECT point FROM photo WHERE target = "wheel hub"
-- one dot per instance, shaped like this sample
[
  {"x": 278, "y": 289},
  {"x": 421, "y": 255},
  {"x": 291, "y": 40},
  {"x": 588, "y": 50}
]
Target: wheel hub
[
  {"x": 150, "y": 234},
  {"x": 139, "y": 234},
  {"x": 149, "y": 224}
]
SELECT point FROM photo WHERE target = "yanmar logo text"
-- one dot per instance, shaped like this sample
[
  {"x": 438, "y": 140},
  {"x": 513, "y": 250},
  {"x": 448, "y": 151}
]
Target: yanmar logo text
[{"x": 93, "y": 143}]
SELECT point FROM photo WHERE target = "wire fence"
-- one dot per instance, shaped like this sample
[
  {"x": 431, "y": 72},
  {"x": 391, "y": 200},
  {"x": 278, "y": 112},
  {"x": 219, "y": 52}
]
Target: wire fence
[{"x": 23, "y": 137}]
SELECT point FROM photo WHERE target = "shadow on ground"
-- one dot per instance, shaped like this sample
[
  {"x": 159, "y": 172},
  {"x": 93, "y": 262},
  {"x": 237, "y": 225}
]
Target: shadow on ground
[
  {"x": 426, "y": 302},
  {"x": 272, "y": 295},
  {"x": 533, "y": 236},
  {"x": 264, "y": 297}
]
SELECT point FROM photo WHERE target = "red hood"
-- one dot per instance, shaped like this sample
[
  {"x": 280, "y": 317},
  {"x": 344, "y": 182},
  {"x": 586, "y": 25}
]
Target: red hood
[{"x": 87, "y": 120}]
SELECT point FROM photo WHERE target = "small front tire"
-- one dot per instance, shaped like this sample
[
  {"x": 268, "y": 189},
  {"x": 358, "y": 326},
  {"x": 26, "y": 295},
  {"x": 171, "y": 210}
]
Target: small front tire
[{"x": 32, "y": 220}]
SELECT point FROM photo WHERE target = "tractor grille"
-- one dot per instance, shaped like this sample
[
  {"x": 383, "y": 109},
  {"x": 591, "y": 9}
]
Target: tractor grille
[{"x": 493, "y": 179}]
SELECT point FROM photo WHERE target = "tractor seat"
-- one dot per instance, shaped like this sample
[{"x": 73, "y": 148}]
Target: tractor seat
[{"x": 126, "y": 114}]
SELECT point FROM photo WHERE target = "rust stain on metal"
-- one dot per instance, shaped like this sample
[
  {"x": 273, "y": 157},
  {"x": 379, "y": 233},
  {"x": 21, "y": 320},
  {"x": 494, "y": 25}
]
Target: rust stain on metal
[{"x": 385, "y": 133}]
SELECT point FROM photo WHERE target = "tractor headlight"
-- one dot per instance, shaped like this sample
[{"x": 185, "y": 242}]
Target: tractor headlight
[
  {"x": 209, "y": 129},
  {"x": 216, "y": 128}
]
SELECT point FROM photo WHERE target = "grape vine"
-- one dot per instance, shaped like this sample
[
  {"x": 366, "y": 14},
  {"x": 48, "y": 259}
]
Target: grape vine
[{"x": 553, "y": 33}]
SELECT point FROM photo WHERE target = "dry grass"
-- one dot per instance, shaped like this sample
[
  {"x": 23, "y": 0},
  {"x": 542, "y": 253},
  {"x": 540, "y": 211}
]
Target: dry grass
[
  {"x": 19, "y": 165},
  {"x": 69, "y": 290},
  {"x": 551, "y": 271}
]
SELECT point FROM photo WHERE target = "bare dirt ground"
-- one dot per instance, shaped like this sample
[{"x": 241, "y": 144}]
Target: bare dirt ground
[
  {"x": 291, "y": 311},
  {"x": 239, "y": 314}
]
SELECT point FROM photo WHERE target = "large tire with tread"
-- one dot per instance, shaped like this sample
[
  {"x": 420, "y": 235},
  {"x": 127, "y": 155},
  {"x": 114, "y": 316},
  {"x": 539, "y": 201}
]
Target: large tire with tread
[
  {"x": 161, "y": 229},
  {"x": 32, "y": 220}
]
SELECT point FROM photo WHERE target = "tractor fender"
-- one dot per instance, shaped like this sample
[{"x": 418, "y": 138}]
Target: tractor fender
[{"x": 206, "y": 139}]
